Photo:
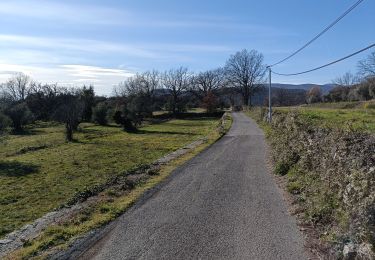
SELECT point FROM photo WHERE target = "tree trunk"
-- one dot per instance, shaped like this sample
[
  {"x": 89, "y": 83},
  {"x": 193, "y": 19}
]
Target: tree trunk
[
  {"x": 174, "y": 106},
  {"x": 68, "y": 132}
]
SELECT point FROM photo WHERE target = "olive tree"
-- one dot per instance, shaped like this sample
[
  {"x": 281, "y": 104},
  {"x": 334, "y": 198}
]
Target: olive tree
[
  {"x": 87, "y": 96},
  {"x": 100, "y": 114},
  {"x": 19, "y": 115},
  {"x": 69, "y": 111}
]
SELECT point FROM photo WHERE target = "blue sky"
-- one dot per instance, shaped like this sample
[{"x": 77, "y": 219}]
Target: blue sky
[{"x": 103, "y": 42}]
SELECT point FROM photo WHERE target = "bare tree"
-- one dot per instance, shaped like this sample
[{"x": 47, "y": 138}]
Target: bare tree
[
  {"x": 176, "y": 81},
  {"x": 208, "y": 81},
  {"x": 18, "y": 87},
  {"x": 367, "y": 66},
  {"x": 245, "y": 71},
  {"x": 346, "y": 80},
  {"x": 141, "y": 83},
  {"x": 281, "y": 97},
  {"x": 150, "y": 81},
  {"x": 139, "y": 92},
  {"x": 128, "y": 87}
]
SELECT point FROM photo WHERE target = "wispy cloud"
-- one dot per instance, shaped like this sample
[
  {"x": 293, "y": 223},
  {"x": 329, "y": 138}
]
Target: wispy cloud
[
  {"x": 49, "y": 10},
  {"x": 100, "y": 14},
  {"x": 149, "y": 50},
  {"x": 129, "y": 36},
  {"x": 66, "y": 44}
]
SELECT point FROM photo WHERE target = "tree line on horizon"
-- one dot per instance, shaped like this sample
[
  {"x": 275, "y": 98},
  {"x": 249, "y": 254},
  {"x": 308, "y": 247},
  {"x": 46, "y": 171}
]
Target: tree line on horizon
[
  {"x": 349, "y": 87},
  {"x": 23, "y": 101}
]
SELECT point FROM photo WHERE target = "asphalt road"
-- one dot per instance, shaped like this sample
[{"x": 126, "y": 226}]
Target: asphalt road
[{"x": 223, "y": 204}]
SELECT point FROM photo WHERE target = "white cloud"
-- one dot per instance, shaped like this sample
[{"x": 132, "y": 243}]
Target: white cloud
[
  {"x": 71, "y": 75},
  {"x": 83, "y": 71},
  {"x": 40, "y": 45}
]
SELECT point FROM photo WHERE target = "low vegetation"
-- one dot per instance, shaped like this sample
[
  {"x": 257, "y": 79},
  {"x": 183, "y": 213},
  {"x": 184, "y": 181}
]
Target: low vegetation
[
  {"x": 327, "y": 158},
  {"x": 358, "y": 116}
]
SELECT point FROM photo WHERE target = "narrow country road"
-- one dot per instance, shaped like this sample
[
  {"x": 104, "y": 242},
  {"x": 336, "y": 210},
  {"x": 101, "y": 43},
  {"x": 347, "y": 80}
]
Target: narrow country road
[{"x": 223, "y": 204}]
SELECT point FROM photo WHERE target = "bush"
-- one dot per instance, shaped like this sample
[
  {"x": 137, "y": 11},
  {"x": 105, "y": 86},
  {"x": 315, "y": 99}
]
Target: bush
[
  {"x": 294, "y": 187},
  {"x": 125, "y": 119},
  {"x": 140, "y": 105},
  {"x": 20, "y": 115},
  {"x": 99, "y": 114},
  {"x": 210, "y": 102},
  {"x": 5, "y": 122},
  {"x": 286, "y": 164},
  {"x": 175, "y": 108},
  {"x": 282, "y": 168}
]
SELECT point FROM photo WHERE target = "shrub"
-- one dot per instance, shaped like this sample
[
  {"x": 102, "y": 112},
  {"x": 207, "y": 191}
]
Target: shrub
[
  {"x": 294, "y": 187},
  {"x": 287, "y": 163},
  {"x": 210, "y": 102},
  {"x": 100, "y": 112},
  {"x": 282, "y": 168},
  {"x": 20, "y": 115},
  {"x": 314, "y": 95},
  {"x": 5, "y": 122},
  {"x": 125, "y": 118}
]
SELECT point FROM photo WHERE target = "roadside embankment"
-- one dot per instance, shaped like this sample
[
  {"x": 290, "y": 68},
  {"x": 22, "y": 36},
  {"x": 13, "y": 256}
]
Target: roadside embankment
[{"x": 330, "y": 173}]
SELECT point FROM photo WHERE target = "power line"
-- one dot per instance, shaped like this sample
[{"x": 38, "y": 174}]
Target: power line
[
  {"x": 320, "y": 34},
  {"x": 325, "y": 65}
]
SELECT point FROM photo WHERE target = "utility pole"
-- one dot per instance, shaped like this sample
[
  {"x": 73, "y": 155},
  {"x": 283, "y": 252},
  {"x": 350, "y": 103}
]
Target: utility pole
[{"x": 269, "y": 97}]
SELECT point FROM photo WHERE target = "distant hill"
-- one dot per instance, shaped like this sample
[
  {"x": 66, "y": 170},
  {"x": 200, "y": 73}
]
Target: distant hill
[
  {"x": 325, "y": 88},
  {"x": 282, "y": 94},
  {"x": 285, "y": 95}
]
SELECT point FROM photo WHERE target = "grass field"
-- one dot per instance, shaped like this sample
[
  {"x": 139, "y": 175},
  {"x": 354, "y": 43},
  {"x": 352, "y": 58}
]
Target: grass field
[
  {"x": 346, "y": 115},
  {"x": 40, "y": 171}
]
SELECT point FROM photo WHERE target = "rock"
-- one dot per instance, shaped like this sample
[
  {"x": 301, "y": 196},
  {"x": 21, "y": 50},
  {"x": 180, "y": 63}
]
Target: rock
[
  {"x": 5, "y": 241},
  {"x": 349, "y": 252}
]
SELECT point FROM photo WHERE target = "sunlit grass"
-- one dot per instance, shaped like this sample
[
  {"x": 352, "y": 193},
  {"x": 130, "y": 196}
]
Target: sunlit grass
[
  {"x": 50, "y": 171},
  {"x": 60, "y": 235},
  {"x": 359, "y": 119}
]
